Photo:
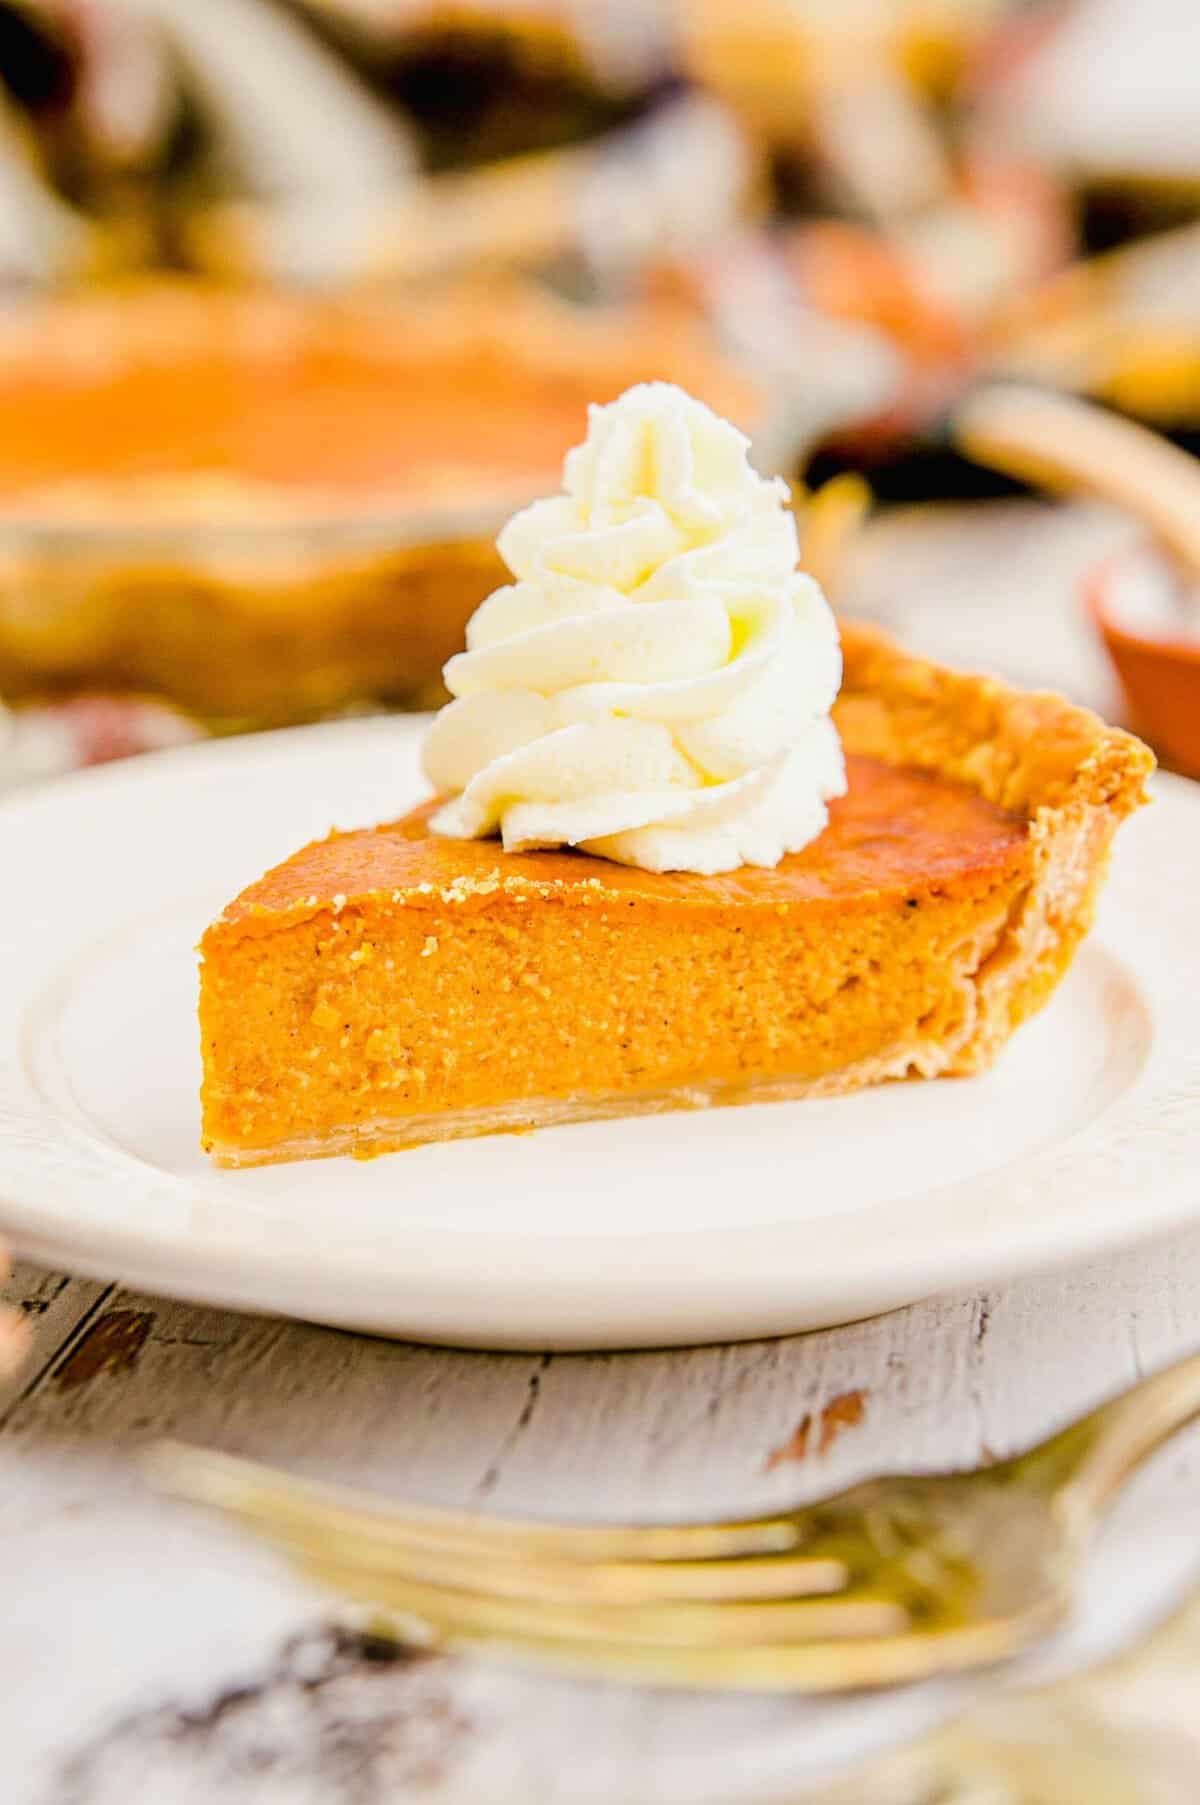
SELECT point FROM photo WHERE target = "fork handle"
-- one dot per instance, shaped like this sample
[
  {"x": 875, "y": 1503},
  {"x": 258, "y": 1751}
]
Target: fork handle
[{"x": 1087, "y": 1462}]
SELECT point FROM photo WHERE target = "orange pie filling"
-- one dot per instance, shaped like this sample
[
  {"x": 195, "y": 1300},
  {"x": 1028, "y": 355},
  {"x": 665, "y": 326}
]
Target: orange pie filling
[{"x": 388, "y": 987}]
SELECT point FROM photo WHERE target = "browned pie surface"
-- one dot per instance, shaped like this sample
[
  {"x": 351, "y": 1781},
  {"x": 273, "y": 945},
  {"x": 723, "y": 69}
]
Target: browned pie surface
[{"x": 896, "y": 833}]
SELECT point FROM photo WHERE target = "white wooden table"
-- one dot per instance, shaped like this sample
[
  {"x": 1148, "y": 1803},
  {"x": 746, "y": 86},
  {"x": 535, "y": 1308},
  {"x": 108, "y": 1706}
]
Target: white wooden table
[{"x": 151, "y": 1655}]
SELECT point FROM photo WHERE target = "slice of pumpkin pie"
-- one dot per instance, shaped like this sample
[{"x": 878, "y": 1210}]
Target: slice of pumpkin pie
[{"x": 666, "y": 867}]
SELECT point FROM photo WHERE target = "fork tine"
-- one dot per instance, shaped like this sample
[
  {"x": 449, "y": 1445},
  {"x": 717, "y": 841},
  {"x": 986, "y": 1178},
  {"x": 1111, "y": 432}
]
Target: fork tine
[
  {"x": 690, "y": 1624},
  {"x": 742, "y": 1578},
  {"x": 809, "y": 1667},
  {"x": 264, "y": 1495},
  {"x": 871, "y": 1658},
  {"x": 815, "y": 1668}
]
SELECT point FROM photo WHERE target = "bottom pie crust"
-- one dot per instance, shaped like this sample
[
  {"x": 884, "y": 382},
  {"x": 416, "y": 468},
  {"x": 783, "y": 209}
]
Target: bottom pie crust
[{"x": 366, "y": 1140}]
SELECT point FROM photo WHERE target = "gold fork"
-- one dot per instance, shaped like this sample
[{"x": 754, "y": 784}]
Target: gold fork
[{"x": 894, "y": 1580}]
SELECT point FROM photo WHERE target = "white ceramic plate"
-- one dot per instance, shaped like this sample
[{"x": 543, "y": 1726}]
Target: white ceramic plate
[{"x": 660, "y": 1230}]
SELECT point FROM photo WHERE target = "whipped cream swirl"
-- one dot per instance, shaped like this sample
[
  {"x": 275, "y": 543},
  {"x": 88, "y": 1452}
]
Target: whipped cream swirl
[{"x": 655, "y": 686}]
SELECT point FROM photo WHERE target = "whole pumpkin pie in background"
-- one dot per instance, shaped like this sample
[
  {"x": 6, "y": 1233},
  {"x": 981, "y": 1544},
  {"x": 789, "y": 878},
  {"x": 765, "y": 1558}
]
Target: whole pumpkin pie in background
[
  {"x": 265, "y": 507},
  {"x": 713, "y": 883}
]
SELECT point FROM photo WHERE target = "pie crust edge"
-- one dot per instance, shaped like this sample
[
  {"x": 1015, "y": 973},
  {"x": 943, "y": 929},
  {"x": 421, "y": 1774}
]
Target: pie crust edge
[{"x": 1032, "y": 752}]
